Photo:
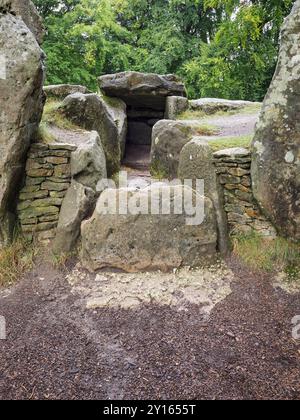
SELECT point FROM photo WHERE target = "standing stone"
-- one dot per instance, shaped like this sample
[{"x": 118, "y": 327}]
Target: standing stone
[
  {"x": 196, "y": 162},
  {"x": 276, "y": 145},
  {"x": 77, "y": 203},
  {"x": 168, "y": 139},
  {"x": 21, "y": 104},
  {"x": 27, "y": 11},
  {"x": 93, "y": 112},
  {"x": 175, "y": 105},
  {"x": 88, "y": 163}
]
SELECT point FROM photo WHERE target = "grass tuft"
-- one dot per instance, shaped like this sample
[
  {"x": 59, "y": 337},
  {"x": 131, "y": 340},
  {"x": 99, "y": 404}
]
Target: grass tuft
[
  {"x": 205, "y": 130},
  {"x": 53, "y": 115},
  {"x": 15, "y": 261},
  {"x": 60, "y": 262},
  {"x": 229, "y": 142},
  {"x": 157, "y": 171},
  {"x": 271, "y": 255},
  {"x": 44, "y": 134}
]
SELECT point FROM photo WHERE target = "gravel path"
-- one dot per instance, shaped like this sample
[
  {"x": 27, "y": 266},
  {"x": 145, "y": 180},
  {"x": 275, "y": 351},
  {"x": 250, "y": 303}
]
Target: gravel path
[
  {"x": 57, "y": 348},
  {"x": 233, "y": 125}
]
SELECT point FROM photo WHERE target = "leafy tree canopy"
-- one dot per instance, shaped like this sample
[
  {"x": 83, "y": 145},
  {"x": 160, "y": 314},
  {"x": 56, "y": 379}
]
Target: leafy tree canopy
[{"x": 221, "y": 48}]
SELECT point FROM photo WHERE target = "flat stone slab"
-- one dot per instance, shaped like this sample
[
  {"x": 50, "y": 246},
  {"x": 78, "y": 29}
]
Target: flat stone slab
[
  {"x": 142, "y": 89},
  {"x": 235, "y": 152},
  {"x": 62, "y": 91},
  {"x": 211, "y": 105}
]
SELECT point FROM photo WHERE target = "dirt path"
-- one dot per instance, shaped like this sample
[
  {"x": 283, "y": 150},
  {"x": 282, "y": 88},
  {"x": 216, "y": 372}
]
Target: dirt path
[
  {"x": 233, "y": 125},
  {"x": 58, "y": 348},
  {"x": 137, "y": 161}
]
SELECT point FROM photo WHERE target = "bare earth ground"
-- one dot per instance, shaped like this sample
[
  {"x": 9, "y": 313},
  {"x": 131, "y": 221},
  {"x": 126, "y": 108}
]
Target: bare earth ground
[
  {"x": 208, "y": 334},
  {"x": 235, "y": 125},
  {"x": 137, "y": 161}
]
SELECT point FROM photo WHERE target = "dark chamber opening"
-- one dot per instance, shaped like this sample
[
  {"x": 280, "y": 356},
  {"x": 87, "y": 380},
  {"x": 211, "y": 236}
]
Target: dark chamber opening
[
  {"x": 140, "y": 124},
  {"x": 141, "y": 121}
]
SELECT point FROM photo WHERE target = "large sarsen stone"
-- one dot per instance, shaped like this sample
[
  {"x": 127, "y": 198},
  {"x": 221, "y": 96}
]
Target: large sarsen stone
[
  {"x": 276, "y": 145},
  {"x": 107, "y": 117},
  {"x": 134, "y": 242},
  {"x": 21, "y": 104},
  {"x": 27, "y": 11}
]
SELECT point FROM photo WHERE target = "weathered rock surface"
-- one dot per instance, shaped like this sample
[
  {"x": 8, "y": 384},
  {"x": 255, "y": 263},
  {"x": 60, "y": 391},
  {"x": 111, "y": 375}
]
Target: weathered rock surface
[
  {"x": 88, "y": 163},
  {"x": 142, "y": 89},
  {"x": 276, "y": 145},
  {"x": 134, "y": 242},
  {"x": 175, "y": 105},
  {"x": 93, "y": 112},
  {"x": 168, "y": 139},
  {"x": 77, "y": 204},
  {"x": 62, "y": 91},
  {"x": 27, "y": 11},
  {"x": 213, "y": 105},
  {"x": 197, "y": 163},
  {"x": 117, "y": 110},
  {"x": 21, "y": 106}
]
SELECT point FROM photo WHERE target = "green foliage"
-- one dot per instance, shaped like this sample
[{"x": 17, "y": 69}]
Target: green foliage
[
  {"x": 220, "y": 48},
  {"x": 267, "y": 254},
  {"x": 157, "y": 170},
  {"x": 52, "y": 115},
  {"x": 240, "y": 61}
]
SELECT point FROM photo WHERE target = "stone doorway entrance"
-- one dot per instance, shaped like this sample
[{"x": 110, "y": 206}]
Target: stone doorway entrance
[
  {"x": 139, "y": 135},
  {"x": 145, "y": 96}
]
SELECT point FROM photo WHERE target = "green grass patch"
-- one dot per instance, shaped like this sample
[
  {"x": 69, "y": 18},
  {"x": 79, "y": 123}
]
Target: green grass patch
[
  {"x": 53, "y": 115},
  {"x": 270, "y": 255},
  {"x": 113, "y": 102},
  {"x": 205, "y": 130},
  {"x": 192, "y": 115},
  {"x": 229, "y": 142},
  {"x": 157, "y": 171},
  {"x": 192, "y": 130},
  {"x": 44, "y": 134},
  {"x": 247, "y": 110},
  {"x": 15, "y": 261}
]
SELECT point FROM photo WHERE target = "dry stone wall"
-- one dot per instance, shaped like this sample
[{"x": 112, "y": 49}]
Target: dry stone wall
[
  {"x": 48, "y": 177},
  {"x": 233, "y": 167}
]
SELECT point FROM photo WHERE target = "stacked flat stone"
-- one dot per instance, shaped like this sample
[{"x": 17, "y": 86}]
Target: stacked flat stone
[
  {"x": 48, "y": 177},
  {"x": 234, "y": 173}
]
